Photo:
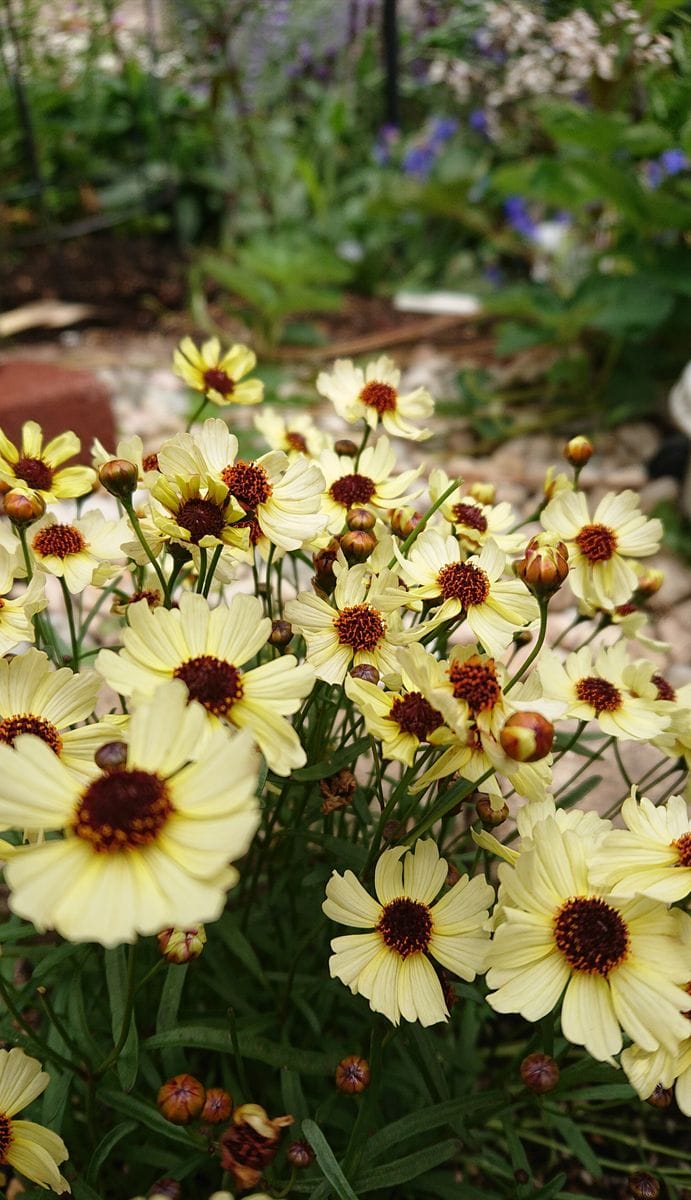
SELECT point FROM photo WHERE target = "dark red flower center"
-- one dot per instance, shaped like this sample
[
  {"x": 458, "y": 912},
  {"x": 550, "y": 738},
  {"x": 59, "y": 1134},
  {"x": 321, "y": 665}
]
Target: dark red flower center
[
  {"x": 413, "y": 714},
  {"x": 360, "y": 627},
  {"x": 351, "y": 490},
  {"x": 597, "y": 543},
  {"x": 464, "y": 582},
  {"x": 201, "y": 518},
  {"x": 58, "y": 540},
  {"x": 35, "y": 472},
  {"x": 602, "y": 695},
  {"x": 592, "y": 936},
  {"x": 216, "y": 380},
  {"x": 406, "y": 926},
  {"x": 248, "y": 483},
  {"x": 295, "y": 441},
  {"x": 683, "y": 847},
  {"x": 213, "y": 682},
  {"x": 150, "y": 462},
  {"x": 12, "y": 727},
  {"x": 665, "y": 691},
  {"x": 475, "y": 681},
  {"x": 380, "y": 396},
  {"x": 470, "y": 515},
  {"x": 122, "y": 810},
  {"x": 5, "y": 1137}
]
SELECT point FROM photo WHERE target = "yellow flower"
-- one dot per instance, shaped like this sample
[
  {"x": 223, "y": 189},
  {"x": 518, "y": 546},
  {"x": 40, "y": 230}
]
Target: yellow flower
[
  {"x": 37, "y": 699},
  {"x": 618, "y": 963},
  {"x": 600, "y": 689},
  {"x": 371, "y": 485},
  {"x": 34, "y": 467},
  {"x": 82, "y": 552},
  {"x": 218, "y": 375},
  {"x": 130, "y": 449},
  {"x": 390, "y": 965},
  {"x": 296, "y": 434},
  {"x": 207, "y": 648},
  {"x": 601, "y": 548},
  {"x": 144, "y": 847},
  {"x": 196, "y": 511},
  {"x": 400, "y": 720},
  {"x": 374, "y": 396},
  {"x": 652, "y": 856},
  {"x": 31, "y": 1149},
  {"x": 475, "y": 523},
  {"x": 15, "y": 614},
  {"x": 588, "y": 825}
]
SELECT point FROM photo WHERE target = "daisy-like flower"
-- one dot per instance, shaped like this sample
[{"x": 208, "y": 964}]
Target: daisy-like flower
[
  {"x": 373, "y": 395},
  {"x": 371, "y": 485},
  {"x": 652, "y": 856},
  {"x": 195, "y": 512},
  {"x": 33, "y": 1150},
  {"x": 16, "y": 625},
  {"x": 207, "y": 648},
  {"x": 31, "y": 466},
  {"x": 277, "y": 500},
  {"x": 401, "y": 721},
  {"x": 145, "y": 847},
  {"x": 362, "y": 626},
  {"x": 601, "y": 548},
  {"x": 436, "y": 569},
  {"x": 600, "y": 689},
  {"x": 296, "y": 434},
  {"x": 619, "y": 964},
  {"x": 475, "y": 523},
  {"x": 82, "y": 552},
  {"x": 37, "y": 699},
  {"x": 219, "y": 376},
  {"x": 391, "y": 965},
  {"x": 588, "y": 825}
]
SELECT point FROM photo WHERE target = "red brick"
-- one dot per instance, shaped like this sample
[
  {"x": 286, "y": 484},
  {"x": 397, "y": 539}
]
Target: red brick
[{"x": 59, "y": 398}]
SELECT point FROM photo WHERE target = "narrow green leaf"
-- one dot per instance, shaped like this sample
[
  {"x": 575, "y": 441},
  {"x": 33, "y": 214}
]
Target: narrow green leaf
[
  {"x": 433, "y": 1117},
  {"x": 237, "y": 943},
  {"x": 127, "y": 1065},
  {"x": 144, "y": 1114},
  {"x": 202, "y": 1037},
  {"x": 82, "y": 1191},
  {"x": 104, "y": 1148},
  {"x": 171, "y": 994},
  {"x": 550, "y": 1190},
  {"x": 391, "y": 1174},
  {"x": 577, "y": 1143},
  {"x": 326, "y": 1160},
  {"x": 330, "y": 765}
]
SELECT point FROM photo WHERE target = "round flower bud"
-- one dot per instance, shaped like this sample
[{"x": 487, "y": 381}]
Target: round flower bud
[
  {"x": 166, "y": 1189},
  {"x": 544, "y": 566},
  {"x": 489, "y": 815},
  {"x": 650, "y": 582},
  {"x": 578, "y": 451},
  {"x": 522, "y": 637},
  {"x": 403, "y": 521},
  {"x": 24, "y": 507},
  {"x": 180, "y": 946},
  {"x": 360, "y": 518},
  {"x": 281, "y": 634},
  {"x": 345, "y": 446},
  {"x": 111, "y": 756},
  {"x": 119, "y": 477},
  {"x": 218, "y": 1106},
  {"x": 181, "y": 1099},
  {"x": 300, "y": 1154},
  {"x": 325, "y": 579},
  {"x": 643, "y": 1186},
  {"x": 539, "y": 1073},
  {"x": 352, "y": 1074},
  {"x": 358, "y": 544},
  {"x": 661, "y": 1098},
  {"x": 484, "y": 493},
  {"x": 527, "y": 737},
  {"x": 367, "y": 672}
]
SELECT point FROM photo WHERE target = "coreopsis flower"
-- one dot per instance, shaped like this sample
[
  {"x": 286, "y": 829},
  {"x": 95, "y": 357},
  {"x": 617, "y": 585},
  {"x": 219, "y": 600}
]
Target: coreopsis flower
[
  {"x": 38, "y": 699},
  {"x": 373, "y": 395},
  {"x": 219, "y": 376},
  {"x": 599, "y": 688},
  {"x": 369, "y": 485},
  {"x": 400, "y": 720},
  {"x": 472, "y": 588},
  {"x": 207, "y": 648},
  {"x": 652, "y": 855},
  {"x": 143, "y": 847},
  {"x": 618, "y": 963},
  {"x": 390, "y": 965},
  {"x": 296, "y": 434},
  {"x": 82, "y": 552},
  {"x": 277, "y": 500},
  {"x": 362, "y": 625},
  {"x": 602, "y": 549},
  {"x": 16, "y": 625},
  {"x": 31, "y": 466},
  {"x": 33, "y": 1150},
  {"x": 473, "y": 521},
  {"x": 588, "y": 825},
  {"x": 193, "y": 511}
]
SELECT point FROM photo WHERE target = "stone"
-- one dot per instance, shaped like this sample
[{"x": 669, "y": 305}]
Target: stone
[{"x": 59, "y": 399}]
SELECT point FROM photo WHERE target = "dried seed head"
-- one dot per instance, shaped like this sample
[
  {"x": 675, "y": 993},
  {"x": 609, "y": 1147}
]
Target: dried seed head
[
  {"x": 179, "y": 946},
  {"x": 119, "y": 477},
  {"x": 352, "y": 1075},
  {"x": 544, "y": 566},
  {"x": 337, "y": 790},
  {"x": 527, "y": 737},
  {"x": 578, "y": 451},
  {"x": 24, "y": 507},
  {"x": 300, "y": 1154},
  {"x": 360, "y": 518},
  {"x": 181, "y": 1099},
  {"x": 489, "y": 814},
  {"x": 250, "y": 1143},
  {"x": 166, "y": 1189},
  {"x": 281, "y": 634},
  {"x": 539, "y": 1073},
  {"x": 643, "y": 1186},
  {"x": 661, "y": 1098}
]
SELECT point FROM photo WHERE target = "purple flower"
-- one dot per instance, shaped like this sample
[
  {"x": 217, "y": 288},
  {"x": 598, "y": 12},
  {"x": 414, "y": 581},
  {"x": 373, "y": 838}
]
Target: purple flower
[
  {"x": 419, "y": 160},
  {"x": 441, "y": 129},
  {"x": 673, "y": 161},
  {"x": 477, "y": 120},
  {"x": 518, "y": 216},
  {"x": 654, "y": 173}
]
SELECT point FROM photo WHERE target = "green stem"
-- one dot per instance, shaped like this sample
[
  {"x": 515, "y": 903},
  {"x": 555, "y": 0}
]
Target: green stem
[
  {"x": 46, "y": 1050},
  {"x": 543, "y": 603},
  {"x": 55, "y": 1020},
  {"x": 74, "y": 640},
  {"x": 449, "y": 801},
  {"x": 269, "y": 606},
  {"x": 405, "y": 546},
  {"x": 202, "y": 569},
  {"x": 589, "y": 761},
  {"x": 126, "y": 1017},
  {"x": 197, "y": 412},
  {"x": 212, "y": 570},
  {"x": 363, "y": 443},
  {"x": 625, "y": 775},
  {"x": 134, "y": 521},
  {"x": 43, "y": 632}
]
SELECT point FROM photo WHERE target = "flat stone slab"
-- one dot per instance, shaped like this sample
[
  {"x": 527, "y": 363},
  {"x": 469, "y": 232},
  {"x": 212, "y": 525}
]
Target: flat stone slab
[{"x": 59, "y": 398}]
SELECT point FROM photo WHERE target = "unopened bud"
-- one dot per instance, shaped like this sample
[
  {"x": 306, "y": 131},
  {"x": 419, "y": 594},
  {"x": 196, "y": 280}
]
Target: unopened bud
[
  {"x": 300, "y": 1154},
  {"x": 180, "y": 946},
  {"x": 490, "y": 815},
  {"x": 360, "y": 518},
  {"x": 181, "y": 1099},
  {"x": 367, "y": 672},
  {"x": 166, "y": 1189},
  {"x": 218, "y": 1106},
  {"x": 643, "y": 1186},
  {"x": 539, "y": 1073},
  {"x": 358, "y": 544},
  {"x": 352, "y": 1075},
  {"x": 325, "y": 579},
  {"x": 555, "y": 483},
  {"x": 544, "y": 566},
  {"x": 527, "y": 737},
  {"x": 393, "y": 831},
  {"x": 578, "y": 451},
  {"x": 484, "y": 493},
  {"x": 337, "y": 790},
  {"x": 345, "y": 446},
  {"x": 661, "y": 1098},
  {"x": 119, "y": 477},
  {"x": 403, "y": 521},
  {"x": 650, "y": 582},
  {"x": 522, "y": 637},
  {"x": 24, "y": 507},
  {"x": 111, "y": 756},
  {"x": 281, "y": 634}
]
